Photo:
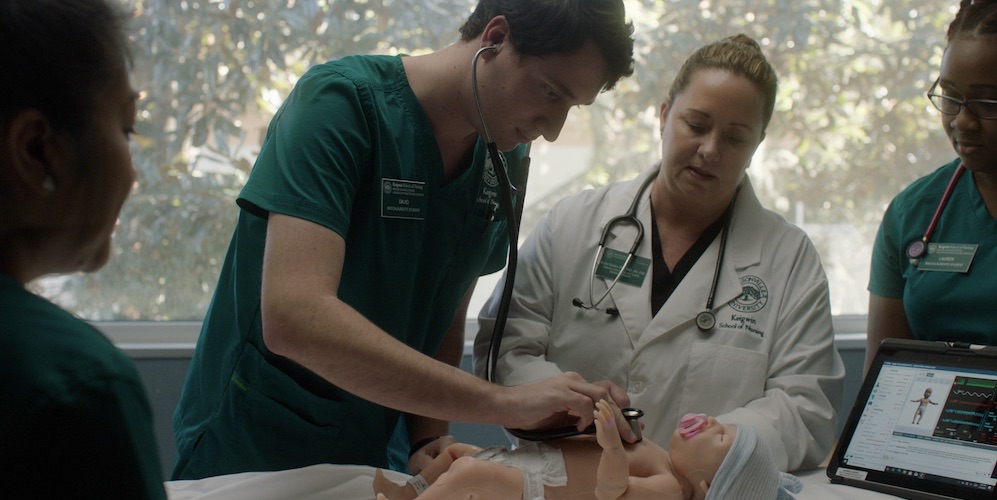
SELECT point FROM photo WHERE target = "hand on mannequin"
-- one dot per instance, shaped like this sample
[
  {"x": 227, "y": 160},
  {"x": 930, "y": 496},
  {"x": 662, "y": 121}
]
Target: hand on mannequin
[{"x": 422, "y": 457}]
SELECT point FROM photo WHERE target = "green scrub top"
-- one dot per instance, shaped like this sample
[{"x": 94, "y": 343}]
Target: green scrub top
[
  {"x": 952, "y": 306},
  {"x": 350, "y": 149},
  {"x": 75, "y": 422}
]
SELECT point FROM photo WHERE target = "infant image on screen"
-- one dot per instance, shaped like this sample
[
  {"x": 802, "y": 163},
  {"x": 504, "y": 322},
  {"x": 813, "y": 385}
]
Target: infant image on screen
[
  {"x": 922, "y": 404},
  {"x": 925, "y": 404}
]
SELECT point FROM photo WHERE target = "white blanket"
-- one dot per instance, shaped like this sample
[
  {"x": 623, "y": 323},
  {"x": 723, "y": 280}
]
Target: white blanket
[
  {"x": 353, "y": 482},
  {"x": 323, "y": 481}
]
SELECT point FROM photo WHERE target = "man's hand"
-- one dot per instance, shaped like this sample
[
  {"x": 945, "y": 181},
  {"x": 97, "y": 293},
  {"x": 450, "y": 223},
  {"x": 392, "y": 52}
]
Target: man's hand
[
  {"x": 563, "y": 399},
  {"x": 618, "y": 396}
]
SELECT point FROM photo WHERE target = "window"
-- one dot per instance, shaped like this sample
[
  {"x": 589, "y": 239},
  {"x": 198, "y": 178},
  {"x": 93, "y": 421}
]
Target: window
[{"x": 852, "y": 126}]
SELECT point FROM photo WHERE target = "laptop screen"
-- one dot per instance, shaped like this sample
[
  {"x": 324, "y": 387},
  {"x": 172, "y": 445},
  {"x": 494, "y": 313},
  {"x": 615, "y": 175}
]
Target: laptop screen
[{"x": 926, "y": 423}]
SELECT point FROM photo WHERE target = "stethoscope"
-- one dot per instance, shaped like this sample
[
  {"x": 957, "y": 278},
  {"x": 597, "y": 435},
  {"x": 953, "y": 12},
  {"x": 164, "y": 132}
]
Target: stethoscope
[
  {"x": 630, "y": 217},
  {"x": 917, "y": 249},
  {"x": 706, "y": 319},
  {"x": 513, "y": 213}
]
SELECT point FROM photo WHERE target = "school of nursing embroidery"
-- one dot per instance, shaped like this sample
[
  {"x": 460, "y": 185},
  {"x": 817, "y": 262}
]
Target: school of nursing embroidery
[
  {"x": 754, "y": 296},
  {"x": 489, "y": 194}
]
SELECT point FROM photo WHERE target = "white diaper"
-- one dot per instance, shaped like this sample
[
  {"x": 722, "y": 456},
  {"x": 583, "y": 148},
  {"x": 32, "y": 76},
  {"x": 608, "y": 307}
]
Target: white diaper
[{"x": 540, "y": 464}]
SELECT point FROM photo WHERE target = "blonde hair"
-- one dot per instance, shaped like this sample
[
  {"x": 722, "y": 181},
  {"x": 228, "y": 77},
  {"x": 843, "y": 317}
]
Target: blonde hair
[{"x": 738, "y": 54}]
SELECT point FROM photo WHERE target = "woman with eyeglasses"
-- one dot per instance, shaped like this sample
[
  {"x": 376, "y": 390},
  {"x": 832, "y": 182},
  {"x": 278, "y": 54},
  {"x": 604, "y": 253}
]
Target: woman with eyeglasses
[{"x": 933, "y": 260}]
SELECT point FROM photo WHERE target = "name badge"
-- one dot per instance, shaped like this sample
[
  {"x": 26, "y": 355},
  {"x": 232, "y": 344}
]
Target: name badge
[
  {"x": 402, "y": 199},
  {"x": 948, "y": 257},
  {"x": 612, "y": 261}
]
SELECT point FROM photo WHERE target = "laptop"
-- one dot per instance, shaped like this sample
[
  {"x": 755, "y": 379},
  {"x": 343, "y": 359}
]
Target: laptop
[{"x": 924, "y": 424}]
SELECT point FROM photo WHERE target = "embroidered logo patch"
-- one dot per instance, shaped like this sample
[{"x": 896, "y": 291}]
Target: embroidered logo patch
[
  {"x": 754, "y": 295},
  {"x": 489, "y": 194},
  {"x": 489, "y": 176}
]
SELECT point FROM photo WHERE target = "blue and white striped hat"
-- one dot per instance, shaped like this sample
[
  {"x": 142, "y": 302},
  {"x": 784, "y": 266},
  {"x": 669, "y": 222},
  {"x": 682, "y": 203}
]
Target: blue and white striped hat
[{"x": 748, "y": 472}]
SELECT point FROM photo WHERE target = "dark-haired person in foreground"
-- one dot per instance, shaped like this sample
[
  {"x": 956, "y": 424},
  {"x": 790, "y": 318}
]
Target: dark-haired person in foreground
[{"x": 75, "y": 421}]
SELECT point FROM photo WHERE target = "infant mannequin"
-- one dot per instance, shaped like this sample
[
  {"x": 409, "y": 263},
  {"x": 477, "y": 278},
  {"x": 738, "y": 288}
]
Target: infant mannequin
[{"x": 707, "y": 460}]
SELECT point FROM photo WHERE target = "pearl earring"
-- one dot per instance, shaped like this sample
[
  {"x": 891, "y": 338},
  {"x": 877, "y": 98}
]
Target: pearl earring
[{"x": 48, "y": 184}]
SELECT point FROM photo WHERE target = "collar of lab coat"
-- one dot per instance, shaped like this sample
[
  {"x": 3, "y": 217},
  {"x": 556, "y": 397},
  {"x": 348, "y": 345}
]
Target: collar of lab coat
[{"x": 744, "y": 247}]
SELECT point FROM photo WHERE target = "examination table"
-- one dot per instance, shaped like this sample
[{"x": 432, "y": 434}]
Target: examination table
[{"x": 353, "y": 482}]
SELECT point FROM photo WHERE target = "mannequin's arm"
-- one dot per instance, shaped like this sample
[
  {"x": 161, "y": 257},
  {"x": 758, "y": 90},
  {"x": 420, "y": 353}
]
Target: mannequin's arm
[
  {"x": 614, "y": 471},
  {"x": 613, "y": 478}
]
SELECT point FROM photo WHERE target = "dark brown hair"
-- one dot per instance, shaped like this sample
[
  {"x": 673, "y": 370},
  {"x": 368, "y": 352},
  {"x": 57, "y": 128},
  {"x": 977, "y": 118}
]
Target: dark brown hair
[
  {"x": 561, "y": 27},
  {"x": 55, "y": 55}
]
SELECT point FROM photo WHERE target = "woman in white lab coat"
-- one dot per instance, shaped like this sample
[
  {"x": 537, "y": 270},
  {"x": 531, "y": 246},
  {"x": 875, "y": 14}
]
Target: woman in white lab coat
[{"x": 764, "y": 356}]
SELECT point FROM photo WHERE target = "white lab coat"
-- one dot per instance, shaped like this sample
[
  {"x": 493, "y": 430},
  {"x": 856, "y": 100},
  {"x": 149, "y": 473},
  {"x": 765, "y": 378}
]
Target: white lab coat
[{"x": 770, "y": 361}]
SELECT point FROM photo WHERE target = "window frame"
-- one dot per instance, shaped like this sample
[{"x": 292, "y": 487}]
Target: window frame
[{"x": 177, "y": 339}]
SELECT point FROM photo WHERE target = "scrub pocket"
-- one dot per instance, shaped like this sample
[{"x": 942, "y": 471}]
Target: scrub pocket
[
  {"x": 476, "y": 250},
  {"x": 721, "y": 378},
  {"x": 266, "y": 421}
]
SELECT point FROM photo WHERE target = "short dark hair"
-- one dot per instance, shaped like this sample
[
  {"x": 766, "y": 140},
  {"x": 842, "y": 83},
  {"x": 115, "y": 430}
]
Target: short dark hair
[
  {"x": 55, "y": 56},
  {"x": 546, "y": 27},
  {"x": 976, "y": 18}
]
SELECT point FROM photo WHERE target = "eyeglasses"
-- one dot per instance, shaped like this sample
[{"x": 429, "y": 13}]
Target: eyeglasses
[{"x": 984, "y": 109}]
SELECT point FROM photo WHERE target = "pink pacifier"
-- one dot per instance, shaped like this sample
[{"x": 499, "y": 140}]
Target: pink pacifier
[{"x": 691, "y": 424}]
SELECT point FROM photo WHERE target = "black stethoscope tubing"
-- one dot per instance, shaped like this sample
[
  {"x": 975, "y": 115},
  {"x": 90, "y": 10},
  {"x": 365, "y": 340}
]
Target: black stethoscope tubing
[
  {"x": 513, "y": 211},
  {"x": 917, "y": 249},
  {"x": 706, "y": 319},
  {"x": 630, "y": 217}
]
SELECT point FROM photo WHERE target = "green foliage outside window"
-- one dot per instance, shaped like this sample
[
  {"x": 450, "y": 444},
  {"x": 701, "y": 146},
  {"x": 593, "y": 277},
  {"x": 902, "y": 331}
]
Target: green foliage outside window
[{"x": 852, "y": 126}]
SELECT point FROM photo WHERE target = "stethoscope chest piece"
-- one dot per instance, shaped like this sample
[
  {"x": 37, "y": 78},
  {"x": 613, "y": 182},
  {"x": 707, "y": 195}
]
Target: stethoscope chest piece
[
  {"x": 916, "y": 250},
  {"x": 706, "y": 320},
  {"x": 632, "y": 415}
]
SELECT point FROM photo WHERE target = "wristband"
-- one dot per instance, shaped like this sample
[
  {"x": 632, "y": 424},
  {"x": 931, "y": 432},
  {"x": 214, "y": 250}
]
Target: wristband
[
  {"x": 418, "y": 483},
  {"x": 420, "y": 444}
]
